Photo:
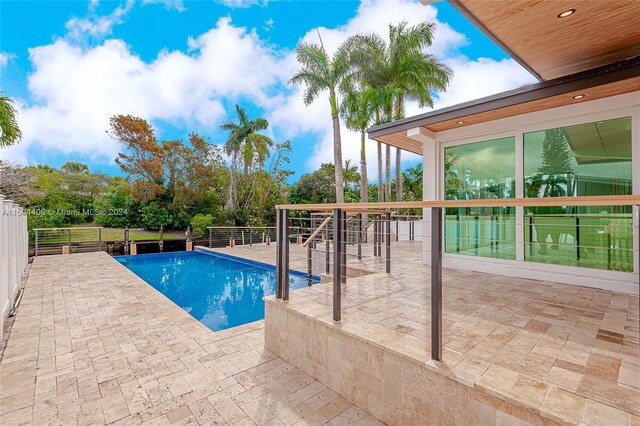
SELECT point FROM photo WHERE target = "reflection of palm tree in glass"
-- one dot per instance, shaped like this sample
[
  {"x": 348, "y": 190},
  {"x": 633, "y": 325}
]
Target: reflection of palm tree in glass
[
  {"x": 553, "y": 179},
  {"x": 452, "y": 182}
]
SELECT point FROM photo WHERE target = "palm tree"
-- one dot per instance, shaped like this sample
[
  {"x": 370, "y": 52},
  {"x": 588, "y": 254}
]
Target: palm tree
[
  {"x": 413, "y": 180},
  {"x": 319, "y": 72},
  {"x": 357, "y": 113},
  {"x": 400, "y": 71},
  {"x": 452, "y": 181},
  {"x": 9, "y": 131},
  {"x": 243, "y": 138}
]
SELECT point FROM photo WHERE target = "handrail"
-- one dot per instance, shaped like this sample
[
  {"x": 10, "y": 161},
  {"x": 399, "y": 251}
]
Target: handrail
[
  {"x": 241, "y": 227},
  {"x": 316, "y": 232},
  {"x": 66, "y": 229},
  {"x": 596, "y": 200}
]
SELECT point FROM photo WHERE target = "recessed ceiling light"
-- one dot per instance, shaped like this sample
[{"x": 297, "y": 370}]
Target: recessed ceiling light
[
  {"x": 578, "y": 97},
  {"x": 460, "y": 122},
  {"x": 566, "y": 13}
]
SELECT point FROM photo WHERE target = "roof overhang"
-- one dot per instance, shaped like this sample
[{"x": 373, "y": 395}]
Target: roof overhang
[
  {"x": 610, "y": 80},
  {"x": 593, "y": 34}
]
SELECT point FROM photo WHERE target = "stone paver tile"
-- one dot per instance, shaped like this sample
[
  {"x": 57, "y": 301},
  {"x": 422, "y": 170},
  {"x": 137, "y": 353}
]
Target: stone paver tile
[
  {"x": 350, "y": 416},
  {"x": 22, "y": 416},
  {"x": 563, "y": 406},
  {"x": 498, "y": 380},
  {"x": 596, "y": 413},
  {"x": 334, "y": 408},
  {"x": 629, "y": 375},
  {"x": 322, "y": 398},
  {"x": 178, "y": 414},
  {"x": 529, "y": 392}
]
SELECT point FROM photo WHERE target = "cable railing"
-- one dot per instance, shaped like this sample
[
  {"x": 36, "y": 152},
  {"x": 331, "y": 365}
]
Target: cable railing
[
  {"x": 490, "y": 228},
  {"x": 85, "y": 239},
  {"x": 231, "y": 236}
]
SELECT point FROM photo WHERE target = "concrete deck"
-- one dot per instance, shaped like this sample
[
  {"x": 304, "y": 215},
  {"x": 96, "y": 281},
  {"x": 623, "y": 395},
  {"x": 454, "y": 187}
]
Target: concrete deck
[
  {"x": 94, "y": 344},
  {"x": 570, "y": 354}
]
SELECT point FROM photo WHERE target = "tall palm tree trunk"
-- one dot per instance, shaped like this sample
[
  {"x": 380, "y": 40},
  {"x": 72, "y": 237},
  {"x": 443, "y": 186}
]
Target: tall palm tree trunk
[
  {"x": 380, "y": 188},
  {"x": 364, "y": 182},
  {"x": 337, "y": 148},
  {"x": 231, "y": 203},
  {"x": 387, "y": 187},
  {"x": 398, "y": 175}
]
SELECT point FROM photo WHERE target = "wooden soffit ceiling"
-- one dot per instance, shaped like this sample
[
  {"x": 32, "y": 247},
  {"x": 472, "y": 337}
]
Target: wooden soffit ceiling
[
  {"x": 468, "y": 116},
  {"x": 600, "y": 32}
]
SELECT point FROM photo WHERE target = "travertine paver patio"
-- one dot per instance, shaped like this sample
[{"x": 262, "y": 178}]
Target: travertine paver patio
[
  {"x": 93, "y": 343},
  {"x": 569, "y": 352}
]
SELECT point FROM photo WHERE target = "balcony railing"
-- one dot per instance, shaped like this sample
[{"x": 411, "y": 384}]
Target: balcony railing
[{"x": 611, "y": 235}]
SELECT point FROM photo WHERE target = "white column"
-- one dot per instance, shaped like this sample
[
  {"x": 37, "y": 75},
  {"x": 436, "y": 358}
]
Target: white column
[{"x": 431, "y": 181}]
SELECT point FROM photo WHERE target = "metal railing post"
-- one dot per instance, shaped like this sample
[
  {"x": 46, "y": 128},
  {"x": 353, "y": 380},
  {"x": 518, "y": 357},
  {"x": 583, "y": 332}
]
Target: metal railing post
[
  {"x": 436, "y": 283},
  {"x": 388, "y": 242},
  {"x": 360, "y": 237},
  {"x": 327, "y": 253},
  {"x": 99, "y": 239},
  {"x": 309, "y": 265},
  {"x": 69, "y": 241},
  {"x": 210, "y": 230},
  {"x": 337, "y": 269},
  {"x": 458, "y": 233},
  {"x": 578, "y": 237},
  {"x": 375, "y": 237},
  {"x": 285, "y": 255},
  {"x": 126, "y": 241},
  {"x": 477, "y": 236},
  {"x": 250, "y": 238},
  {"x": 530, "y": 235},
  {"x": 343, "y": 249},
  {"x": 36, "y": 243},
  {"x": 279, "y": 268}
]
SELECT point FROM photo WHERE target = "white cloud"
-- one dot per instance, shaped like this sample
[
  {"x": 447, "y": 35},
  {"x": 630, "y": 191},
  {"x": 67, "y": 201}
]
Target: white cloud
[
  {"x": 96, "y": 26},
  {"x": 479, "y": 78},
  {"x": 5, "y": 57},
  {"x": 169, "y": 4},
  {"x": 242, "y": 4},
  {"x": 76, "y": 89}
]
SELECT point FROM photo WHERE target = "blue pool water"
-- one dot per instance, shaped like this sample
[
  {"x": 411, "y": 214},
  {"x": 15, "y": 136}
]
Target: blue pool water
[{"x": 218, "y": 290}]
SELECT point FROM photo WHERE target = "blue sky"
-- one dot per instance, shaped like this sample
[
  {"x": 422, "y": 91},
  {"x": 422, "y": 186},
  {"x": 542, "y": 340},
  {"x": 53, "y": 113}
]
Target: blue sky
[{"x": 184, "y": 65}]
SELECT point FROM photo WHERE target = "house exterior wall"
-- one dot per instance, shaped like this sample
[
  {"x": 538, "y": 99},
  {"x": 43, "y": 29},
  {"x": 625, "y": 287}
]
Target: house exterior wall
[{"x": 627, "y": 105}]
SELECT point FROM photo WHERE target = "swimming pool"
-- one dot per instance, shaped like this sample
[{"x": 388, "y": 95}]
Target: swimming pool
[{"x": 218, "y": 290}]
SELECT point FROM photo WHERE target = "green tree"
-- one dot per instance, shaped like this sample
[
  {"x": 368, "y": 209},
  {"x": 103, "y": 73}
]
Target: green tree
[
  {"x": 199, "y": 224},
  {"x": 357, "y": 111},
  {"x": 319, "y": 186},
  {"x": 413, "y": 183},
  {"x": 556, "y": 156},
  {"x": 321, "y": 73},
  {"x": 9, "y": 130},
  {"x": 397, "y": 72},
  {"x": 154, "y": 216},
  {"x": 243, "y": 139}
]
